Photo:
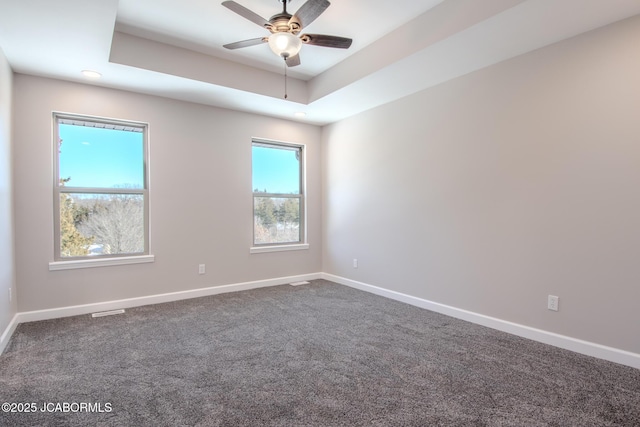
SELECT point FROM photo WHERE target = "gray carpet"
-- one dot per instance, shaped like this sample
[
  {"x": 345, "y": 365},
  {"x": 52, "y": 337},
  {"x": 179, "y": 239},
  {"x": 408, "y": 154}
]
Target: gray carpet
[{"x": 314, "y": 355}]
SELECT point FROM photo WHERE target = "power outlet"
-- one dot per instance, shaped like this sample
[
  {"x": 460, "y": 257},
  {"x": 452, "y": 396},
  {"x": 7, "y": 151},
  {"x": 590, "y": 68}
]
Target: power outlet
[
  {"x": 552, "y": 302},
  {"x": 355, "y": 263},
  {"x": 201, "y": 269}
]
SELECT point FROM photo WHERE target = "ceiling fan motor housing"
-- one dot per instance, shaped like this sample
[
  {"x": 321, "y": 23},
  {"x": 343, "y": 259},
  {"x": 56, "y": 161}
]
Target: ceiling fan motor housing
[{"x": 280, "y": 24}]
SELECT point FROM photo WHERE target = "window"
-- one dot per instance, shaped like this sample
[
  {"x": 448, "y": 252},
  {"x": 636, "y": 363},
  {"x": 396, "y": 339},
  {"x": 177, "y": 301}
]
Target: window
[
  {"x": 278, "y": 193},
  {"x": 100, "y": 188}
]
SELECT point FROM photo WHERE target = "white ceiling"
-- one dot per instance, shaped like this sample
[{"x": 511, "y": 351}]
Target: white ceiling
[
  {"x": 174, "y": 48},
  {"x": 204, "y": 26}
]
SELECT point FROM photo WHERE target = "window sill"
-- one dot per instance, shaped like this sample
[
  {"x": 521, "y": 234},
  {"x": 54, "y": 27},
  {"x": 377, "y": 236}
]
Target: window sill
[
  {"x": 99, "y": 262},
  {"x": 280, "y": 248}
]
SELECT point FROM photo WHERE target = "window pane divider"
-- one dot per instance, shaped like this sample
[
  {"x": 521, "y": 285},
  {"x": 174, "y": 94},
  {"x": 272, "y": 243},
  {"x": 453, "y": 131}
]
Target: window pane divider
[
  {"x": 94, "y": 190},
  {"x": 278, "y": 195}
]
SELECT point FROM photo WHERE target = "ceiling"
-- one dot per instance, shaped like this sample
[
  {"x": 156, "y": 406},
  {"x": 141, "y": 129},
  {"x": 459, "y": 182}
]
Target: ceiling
[{"x": 174, "y": 48}]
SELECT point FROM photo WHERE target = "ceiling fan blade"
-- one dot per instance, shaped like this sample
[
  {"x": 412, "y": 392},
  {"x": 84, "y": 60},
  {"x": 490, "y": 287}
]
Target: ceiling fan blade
[
  {"x": 293, "y": 61},
  {"x": 246, "y": 43},
  {"x": 308, "y": 12},
  {"x": 326, "y": 41},
  {"x": 246, "y": 13}
]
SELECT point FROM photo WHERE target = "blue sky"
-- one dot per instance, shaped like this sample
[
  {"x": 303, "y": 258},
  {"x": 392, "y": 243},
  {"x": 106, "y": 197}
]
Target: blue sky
[
  {"x": 104, "y": 158},
  {"x": 276, "y": 170}
]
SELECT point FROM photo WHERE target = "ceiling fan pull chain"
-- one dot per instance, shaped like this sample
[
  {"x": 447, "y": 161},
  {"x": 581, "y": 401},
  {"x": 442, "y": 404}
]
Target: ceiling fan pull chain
[{"x": 285, "y": 78}]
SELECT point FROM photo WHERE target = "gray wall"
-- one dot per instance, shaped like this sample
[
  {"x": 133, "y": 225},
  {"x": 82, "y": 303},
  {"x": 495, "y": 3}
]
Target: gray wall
[
  {"x": 491, "y": 191},
  {"x": 200, "y": 196},
  {"x": 7, "y": 273}
]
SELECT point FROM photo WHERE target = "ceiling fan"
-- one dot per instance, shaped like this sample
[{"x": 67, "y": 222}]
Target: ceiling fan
[{"x": 284, "y": 27}]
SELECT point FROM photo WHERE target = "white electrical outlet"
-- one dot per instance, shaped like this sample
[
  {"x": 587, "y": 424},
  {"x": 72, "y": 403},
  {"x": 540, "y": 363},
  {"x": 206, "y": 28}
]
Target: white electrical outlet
[
  {"x": 201, "y": 269},
  {"x": 552, "y": 302},
  {"x": 355, "y": 263}
]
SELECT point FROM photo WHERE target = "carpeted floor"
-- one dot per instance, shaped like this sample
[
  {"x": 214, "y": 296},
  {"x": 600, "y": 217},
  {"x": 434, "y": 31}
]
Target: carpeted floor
[{"x": 314, "y": 355}]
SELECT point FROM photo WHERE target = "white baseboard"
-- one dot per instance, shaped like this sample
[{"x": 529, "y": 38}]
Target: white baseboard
[
  {"x": 579, "y": 346},
  {"x": 54, "y": 313},
  {"x": 6, "y": 335}
]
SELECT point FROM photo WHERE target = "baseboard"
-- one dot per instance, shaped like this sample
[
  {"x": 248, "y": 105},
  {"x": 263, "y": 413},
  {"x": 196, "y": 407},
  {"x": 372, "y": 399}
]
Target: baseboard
[
  {"x": 54, "y": 313},
  {"x": 6, "y": 335},
  {"x": 568, "y": 343}
]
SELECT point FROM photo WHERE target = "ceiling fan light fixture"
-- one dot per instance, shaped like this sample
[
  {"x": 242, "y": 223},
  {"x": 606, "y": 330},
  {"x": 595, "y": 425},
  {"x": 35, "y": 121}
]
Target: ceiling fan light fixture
[{"x": 284, "y": 44}]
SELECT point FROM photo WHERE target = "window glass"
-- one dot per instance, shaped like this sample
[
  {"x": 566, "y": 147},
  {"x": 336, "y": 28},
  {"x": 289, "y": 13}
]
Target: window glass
[
  {"x": 278, "y": 199},
  {"x": 101, "y": 206},
  {"x": 276, "y": 169},
  {"x": 276, "y": 220},
  {"x": 99, "y": 157},
  {"x": 101, "y": 224}
]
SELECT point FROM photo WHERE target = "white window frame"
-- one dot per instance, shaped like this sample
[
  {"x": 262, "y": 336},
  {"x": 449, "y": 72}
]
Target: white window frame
[
  {"x": 284, "y": 246},
  {"x": 64, "y": 263}
]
